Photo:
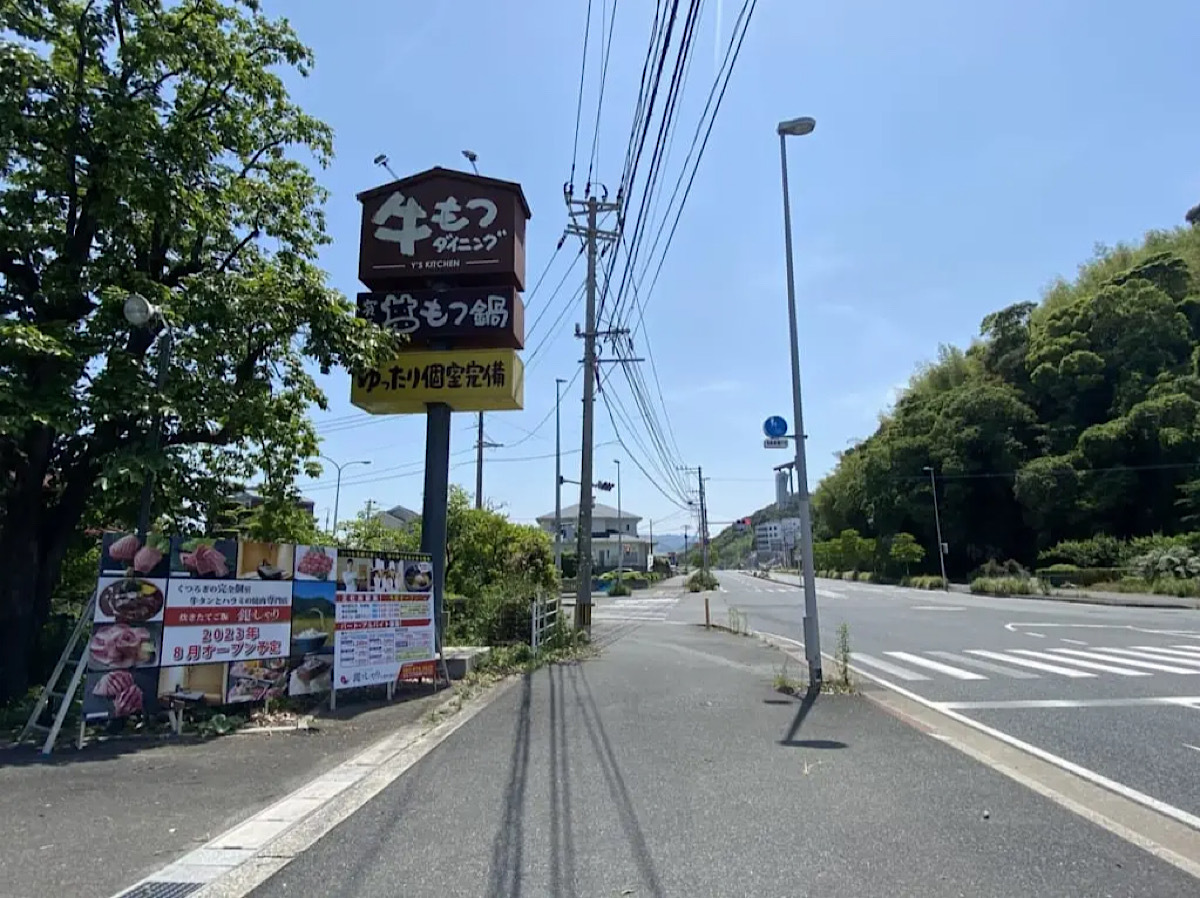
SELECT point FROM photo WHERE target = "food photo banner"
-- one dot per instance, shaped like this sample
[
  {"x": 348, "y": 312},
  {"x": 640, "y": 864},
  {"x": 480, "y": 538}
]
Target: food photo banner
[{"x": 219, "y": 621}]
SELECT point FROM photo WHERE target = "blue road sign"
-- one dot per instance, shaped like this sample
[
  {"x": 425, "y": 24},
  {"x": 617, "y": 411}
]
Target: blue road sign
[{"x": 775, "y": 426}]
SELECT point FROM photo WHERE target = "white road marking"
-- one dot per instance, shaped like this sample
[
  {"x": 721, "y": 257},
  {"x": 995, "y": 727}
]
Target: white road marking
[
  {"x": 1035, "y": 703},
  {"x": 1036, "y": 665},
  {"x": 955, "y": 672},
  {"x": 1192, "y": 747},
  {"x": 1177, "y": 814},
  {"x": 1037, "y": 635},
  {"x": 1148, "y": 665},
  {"x": 1163, "y": 655},
  {"x": 1191, "y": 649},
  {"x": 986, "y": 665},
  {"x": 1013, "y": 628},
  {"x": 938, "y": 608},
  {"x": 1073, "y": 641},
  {"x": 893, "y": 669},
  {"x": 1089, "y": 665}
]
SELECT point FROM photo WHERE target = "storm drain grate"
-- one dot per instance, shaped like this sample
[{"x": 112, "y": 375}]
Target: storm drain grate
[{"x": 162, "y": 890}]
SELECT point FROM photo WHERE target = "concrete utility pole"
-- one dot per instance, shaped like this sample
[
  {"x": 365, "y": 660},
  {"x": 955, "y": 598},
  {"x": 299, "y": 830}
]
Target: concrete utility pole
[
  {"x": 937, "y": 523},
  {"x": 650, "y": 553},
  {"x": 558, "y": 481},
  {"x": 685, "y": 547},
  {"x": 702, "y": 531},
  {"x": 592, "y": 234},
  {"x": 812, "y": 631},
  {"x": 620, "y": 524},
  {"x": 480, "y": 445}
]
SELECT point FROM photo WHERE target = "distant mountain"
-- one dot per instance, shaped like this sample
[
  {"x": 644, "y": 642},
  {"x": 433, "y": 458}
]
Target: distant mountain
[{"x": 672, "y": 542}]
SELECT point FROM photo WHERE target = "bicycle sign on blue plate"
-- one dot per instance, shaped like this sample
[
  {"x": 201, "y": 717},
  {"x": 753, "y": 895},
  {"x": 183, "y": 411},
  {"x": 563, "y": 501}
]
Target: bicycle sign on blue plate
[{"x": 775, "y": 427}]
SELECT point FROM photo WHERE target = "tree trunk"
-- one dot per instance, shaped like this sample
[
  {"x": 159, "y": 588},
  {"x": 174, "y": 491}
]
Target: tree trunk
[{"x": 34, "y": 538}]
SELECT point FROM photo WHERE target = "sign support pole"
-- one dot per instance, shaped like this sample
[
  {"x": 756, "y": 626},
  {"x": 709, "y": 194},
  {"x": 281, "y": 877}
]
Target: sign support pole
[{"x": 433, "y": 509}]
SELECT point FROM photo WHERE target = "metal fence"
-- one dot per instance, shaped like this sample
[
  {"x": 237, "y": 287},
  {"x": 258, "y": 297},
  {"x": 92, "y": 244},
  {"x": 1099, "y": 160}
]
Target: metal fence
[{"x": 544, "y": 617}]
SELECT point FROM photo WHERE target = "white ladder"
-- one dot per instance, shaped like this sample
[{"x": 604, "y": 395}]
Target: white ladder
[{"x": 78, "y": 665}]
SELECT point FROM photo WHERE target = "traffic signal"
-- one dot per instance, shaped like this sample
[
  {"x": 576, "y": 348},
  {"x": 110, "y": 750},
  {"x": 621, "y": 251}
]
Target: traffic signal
[{"x": 605, "y": 485}]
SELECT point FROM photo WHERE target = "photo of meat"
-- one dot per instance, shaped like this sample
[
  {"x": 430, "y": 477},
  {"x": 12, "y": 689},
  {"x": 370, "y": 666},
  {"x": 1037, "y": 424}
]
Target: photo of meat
[
  {"x": 254, "y": 681},
  {"x": 315, "y": 562},
  {"x": 120, "y": 693},
  {"x": 213, "y": 559},
  {"x": 125, "y": 554},
  {"x": 120, "y": 646},
  {"x": 130, "y": 600},
  {"x": 264, "y": 561}
]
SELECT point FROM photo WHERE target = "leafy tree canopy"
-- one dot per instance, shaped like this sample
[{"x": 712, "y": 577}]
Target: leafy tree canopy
[{"x": 150, "y": 147}]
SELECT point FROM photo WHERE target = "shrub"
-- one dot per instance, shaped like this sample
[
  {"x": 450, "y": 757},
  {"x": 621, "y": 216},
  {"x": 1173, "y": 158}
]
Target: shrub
[
  {"x": 1009, "y": 586},
  {"x": 1071, "y": 575},
  {"x": 925, "y": 581},
  {"x": 850, "y": 575},
  {"x": 619, "y": 588},
  {"x": 1171, "y": 561},
  {"x": 1098, "y": 552},
  {"x": 993, "y": 570},
  {"x": 701, "y": 581}
]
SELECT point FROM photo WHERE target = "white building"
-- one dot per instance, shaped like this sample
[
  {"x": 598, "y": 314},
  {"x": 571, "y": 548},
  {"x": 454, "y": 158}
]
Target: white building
[
  {"x": 610, "y": 531},
  {"x": 777, "y": 536}
]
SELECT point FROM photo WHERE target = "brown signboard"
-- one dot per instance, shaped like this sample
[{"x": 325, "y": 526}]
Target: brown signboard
[
  {"x": 443, "y": 227},
  {"x": 480, "y": 317}
]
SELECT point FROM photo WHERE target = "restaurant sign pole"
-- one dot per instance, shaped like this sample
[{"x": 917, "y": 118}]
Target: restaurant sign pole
[{"x": 442, "y": 254}]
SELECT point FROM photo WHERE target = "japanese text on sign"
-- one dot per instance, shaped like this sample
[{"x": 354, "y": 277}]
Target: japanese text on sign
[
  {"x": 401, "y": 220},
  {"x": 436, "y": 376},
  {"x": 402, "y": 312}
]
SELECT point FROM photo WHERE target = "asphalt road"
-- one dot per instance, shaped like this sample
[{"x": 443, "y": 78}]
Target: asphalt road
[
  {"x": 1116, "y": 690},
  {"x": 670, "y": 766}
]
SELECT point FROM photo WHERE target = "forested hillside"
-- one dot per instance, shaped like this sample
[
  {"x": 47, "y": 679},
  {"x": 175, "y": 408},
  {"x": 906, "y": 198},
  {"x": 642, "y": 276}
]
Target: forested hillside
[{"x": 1065, "y": 419}]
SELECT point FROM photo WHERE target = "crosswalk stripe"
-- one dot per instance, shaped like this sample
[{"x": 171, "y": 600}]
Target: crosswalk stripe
[
  {"x": 1028, "y": 662},
  {"x": 893, "y": 669},
  {"x": 986, "y": 665},
  {"x": 1190, "y": 649},
  {"x": 1148, "y": 665},
  {"x": 1170, "y": 654},
  {"x": 1090, "y": 665},
  {"x": 955, "y": 672}
]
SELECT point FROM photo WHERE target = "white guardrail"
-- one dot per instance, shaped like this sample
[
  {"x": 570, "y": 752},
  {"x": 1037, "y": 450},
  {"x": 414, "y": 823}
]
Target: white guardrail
[{"x": 543, "y": 619}]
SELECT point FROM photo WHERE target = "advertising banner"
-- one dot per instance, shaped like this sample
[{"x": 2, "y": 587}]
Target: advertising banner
[
  {"x": 384, "y": 616},
  {"x": 218, "y": 622}
]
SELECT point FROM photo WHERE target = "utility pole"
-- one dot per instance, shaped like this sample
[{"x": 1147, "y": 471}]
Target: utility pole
[
  {"x": 703, "y": 522},
  {"x": 480, "y": 445},
  {"x": 937, "y": 523},
  {"x": 592, "y": 234},
  {"x": 620, "y": 525},
  {"x": 685, "y": 547},
  {"x": 558, "y": 481},
  {"x": 650, "y": 554}
]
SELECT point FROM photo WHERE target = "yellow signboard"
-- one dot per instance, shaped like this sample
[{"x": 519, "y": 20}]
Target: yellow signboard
[{"x": 467, "y": 380}]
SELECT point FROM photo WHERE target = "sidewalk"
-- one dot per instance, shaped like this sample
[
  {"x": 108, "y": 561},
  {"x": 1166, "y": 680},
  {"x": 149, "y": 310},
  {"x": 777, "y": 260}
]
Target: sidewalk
[
  {"x": 131, "y": 806},
  {"x": 670, "y": 766}
]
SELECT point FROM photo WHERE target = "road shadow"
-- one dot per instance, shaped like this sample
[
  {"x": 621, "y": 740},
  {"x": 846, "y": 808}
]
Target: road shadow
[
  {"x": 508, "y": 845},
  {"x": 562, "y": 833},
  {"x": 617, "y": 790},
  {"x": 811, "y": 694}
]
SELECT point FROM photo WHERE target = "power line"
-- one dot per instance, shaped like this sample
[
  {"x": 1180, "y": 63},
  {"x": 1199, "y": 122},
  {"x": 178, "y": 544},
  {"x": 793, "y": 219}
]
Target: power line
[{"x": 587, "y": 28}]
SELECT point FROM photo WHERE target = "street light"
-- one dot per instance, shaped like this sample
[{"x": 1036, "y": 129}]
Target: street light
[
  {"x": 337, "y": 494},
  {"x": 620, "y": 532},
  {"x": 937, "y": 523},
  {"x": 140, "y": 312},
  {"x": 798, "y": 127}
]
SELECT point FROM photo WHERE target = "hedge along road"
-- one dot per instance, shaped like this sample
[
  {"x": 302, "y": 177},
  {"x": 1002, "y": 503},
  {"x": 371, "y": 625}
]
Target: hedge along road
[{"x": 1114, "y": 690}]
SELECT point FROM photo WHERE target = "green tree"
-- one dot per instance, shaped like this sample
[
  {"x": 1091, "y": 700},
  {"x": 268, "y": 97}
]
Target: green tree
[
  {"x": 150, "y": 147},
  {"x": 906, "y": 550}
]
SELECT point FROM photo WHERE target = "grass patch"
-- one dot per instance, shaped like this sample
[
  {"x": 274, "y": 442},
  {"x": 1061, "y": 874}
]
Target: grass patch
[
  {"x": 924, "y": 581},
  {"x": 1009, "y": 586},
  {"x": 1182, "y": 588}
]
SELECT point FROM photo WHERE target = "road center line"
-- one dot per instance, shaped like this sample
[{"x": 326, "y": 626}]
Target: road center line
[{"x": 1035, "y": 703}]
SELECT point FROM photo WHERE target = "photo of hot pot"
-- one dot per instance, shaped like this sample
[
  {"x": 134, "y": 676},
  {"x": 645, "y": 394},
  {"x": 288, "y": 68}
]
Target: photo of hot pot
[{"x": 418, "y": 576}]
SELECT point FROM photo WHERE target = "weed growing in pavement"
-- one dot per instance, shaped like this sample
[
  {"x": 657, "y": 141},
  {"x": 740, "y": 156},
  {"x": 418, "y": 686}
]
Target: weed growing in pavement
[
  {"x": 785, "y": 683},
  {"x": 842, "y": 656},
  {"x": 738, "y": 623}
]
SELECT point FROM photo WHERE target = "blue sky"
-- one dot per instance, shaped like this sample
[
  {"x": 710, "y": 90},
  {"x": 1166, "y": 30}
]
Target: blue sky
[{"x": 965, "y": 155}]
